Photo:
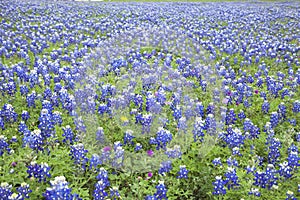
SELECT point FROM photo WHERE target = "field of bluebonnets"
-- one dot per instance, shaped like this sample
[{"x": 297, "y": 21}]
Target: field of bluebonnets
[{"x": 149, "y": 100}]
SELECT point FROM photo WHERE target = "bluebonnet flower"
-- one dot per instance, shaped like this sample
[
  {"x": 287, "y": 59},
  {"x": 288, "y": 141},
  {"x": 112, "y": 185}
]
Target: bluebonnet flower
[
  {"x": 255, "y": 192},
  {"x": 25, "y": 115},
  {"x": 231, "y": 178},
  {"x": 182, "y": 124},
  {"x": 290, "y": 195},
  {"x": 263, "y": 95},
  {"x": 268, "y": 129},
  {"x": 210, "y": 109},
  {"x": 230, "y": 117},
  {"x": 293, "y": 122},
  {"x": 78, "y": 154},
  {"x": 47, "y": 93},
  {"x": 250, "y": 169},
  {"x": 24, "y": 90},
  {"x": 285, "y": 170},
  {"x": 102, "y": 108},
  {"x": 253, "y": 132},
  {"x": 250, "y": 79},
  {"x": 259, "y": 82},
  {"x": 282, "y": 110},
  {"x": 210, "y": 124},
  {"x": 296, "y": 106},
  {"x": 259, "y": 160},
  {"x": 114, "y": 193},
  {"x": 150, "y": 197},
  {"x": 138, "y": 101},
  {"x": 146, "y": 122},
  {"x": 101, "y": 185},
  {"x": 105, "y": 154},
  {"x": 274, "y": 119},
  {"x": 174, "y": 153},
  {"x": 177, "y": 114},
  {"x": 68, "y": 134},
  {"x": 8, "y": 113},
  {"x": 57, "y": 87},
  {"x": 274, "y": 152},
  {"x": 150, "y": 102},
  {"x": 103, "y": 176},
  {"x": 138, "y": 118},
  {"x": 95, "y": 161},
  {"x": 266, "y": 179},
  {"x": 23, "y": 191},
  {"x": 117, "y": 161},
  {"x": 117, "y": 144},
  {"x": 246, "y": 103},
  {"x": 232, "y": 162},
  {"x": 165, "y": 167},
  {"x": 4, "y": 146},
  {"x": 5, "y": 191},
  {"x": 128, "y": 137},
  {"x": 153, "y": 141},
  {"x": 198, "y": 129},
  {"x": 219, "y": 186},
  {"x": 10, "y": 88},
  {"x": 67, "y": 101},
  {"x": 47, "y": 106},
  {"x": 33, "y": 78},
  {"x": 293, "y": 159},
  {"x": 199, "y": 109},
  {"x": 100, "y": 137},
  {"x": 138, "y": 147},
  {"x": 40, "y": 172},
  {"x": 56, "y": 117},
  {"x": 46, "y": 124},
  {"x": 183, "y": 172},
  {"x": 203, "y": 85},
  {"x": 292, "y": 148},
  {"x": 234, "y": 138},
  {"x": 13, "y": 139},
  {"x": 236, "y": 151},
  {"x": 161, "y": 191},
  {"x": 33, "y": 139},
  {"x": 23, "y": 128},
  {"x": 285, "y": 92},
  {"x": 91, "y": 105},
  {"x": 31, "y": 99},
  {"x": 189, "y": 112},
  {"x": 54, "y": 100},
  {"x": 298, "y": 137},
  {"x": 222, "y": 120},
  {"x": 80, "y": 126},
  {"x": 2, "y": 125},
  {"x": 161, "y": 97},
  {"x": 60, "y": 190},
  {"x": 217, "y": 161},
  {"x": 163, "y": 137},
  {"x": 265, "y": 107}
]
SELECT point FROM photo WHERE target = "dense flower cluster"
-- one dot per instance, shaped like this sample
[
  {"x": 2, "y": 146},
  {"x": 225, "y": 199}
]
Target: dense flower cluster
[
  {"x": 183, "y": 172},
  {"x": 101, "y": 185},
  {"x": 163, "y": 137},
  {"x": 4, "y": 146},
  {"x": 40, "y": 172},
  {"x": 185, "y": 78},
  {"x": 161, "y": 192},
  {"x": 60, "y": 190},
  {"x": 78, "y": 154}
]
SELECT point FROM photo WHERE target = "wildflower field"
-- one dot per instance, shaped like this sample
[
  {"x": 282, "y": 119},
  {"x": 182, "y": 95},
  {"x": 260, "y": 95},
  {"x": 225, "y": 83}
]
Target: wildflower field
[{"x": 149, "y": 100}]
